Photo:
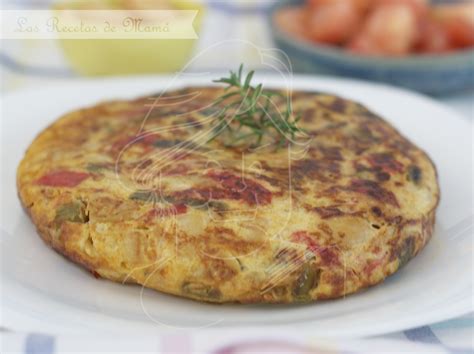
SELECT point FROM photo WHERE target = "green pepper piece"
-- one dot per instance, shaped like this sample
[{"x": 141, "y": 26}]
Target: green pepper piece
[
  {"x": 307, "y": 280},
  {"x": 144, "y": 196},
  {"x": 406, "y": 252},
  {"x": 200, "y": 290},
  {"x": 72, "y": 212}
]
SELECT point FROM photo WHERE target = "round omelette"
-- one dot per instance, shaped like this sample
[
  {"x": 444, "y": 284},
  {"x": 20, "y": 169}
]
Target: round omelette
[{"x": 134, "y": 191}]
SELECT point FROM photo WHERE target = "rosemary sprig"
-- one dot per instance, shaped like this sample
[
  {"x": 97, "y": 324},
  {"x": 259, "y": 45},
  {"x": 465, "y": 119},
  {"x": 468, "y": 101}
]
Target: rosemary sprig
[{"x": 249, "y": 113}]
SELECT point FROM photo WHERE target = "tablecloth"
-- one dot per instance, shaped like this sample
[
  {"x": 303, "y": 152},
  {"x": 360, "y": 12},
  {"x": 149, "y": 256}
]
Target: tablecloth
[{"x": 451, "y": 337}]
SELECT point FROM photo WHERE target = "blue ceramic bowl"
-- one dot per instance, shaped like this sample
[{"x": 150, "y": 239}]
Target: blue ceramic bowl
[{"x": 431, "y": 74}]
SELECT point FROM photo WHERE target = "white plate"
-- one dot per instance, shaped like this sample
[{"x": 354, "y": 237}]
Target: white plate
[{"x": 43, "y": 291}]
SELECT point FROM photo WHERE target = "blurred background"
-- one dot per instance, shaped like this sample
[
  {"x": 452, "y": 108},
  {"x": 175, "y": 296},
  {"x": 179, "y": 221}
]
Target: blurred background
[{"x": 418, "y": 44}]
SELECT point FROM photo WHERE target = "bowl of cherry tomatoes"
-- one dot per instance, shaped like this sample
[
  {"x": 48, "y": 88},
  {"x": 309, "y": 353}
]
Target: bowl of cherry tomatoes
[{"x": 417, "y": 44}]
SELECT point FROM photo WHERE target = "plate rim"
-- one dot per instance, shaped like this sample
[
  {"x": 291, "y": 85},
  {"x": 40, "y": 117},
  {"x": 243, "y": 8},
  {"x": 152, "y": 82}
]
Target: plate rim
[{"x": 324, "y": 80}]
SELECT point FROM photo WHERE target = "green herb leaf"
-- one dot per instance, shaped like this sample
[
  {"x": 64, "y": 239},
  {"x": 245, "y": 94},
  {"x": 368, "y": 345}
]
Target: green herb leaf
[
  {"x": 252, "y": 113},
  {"x": 248, "y": 79}
]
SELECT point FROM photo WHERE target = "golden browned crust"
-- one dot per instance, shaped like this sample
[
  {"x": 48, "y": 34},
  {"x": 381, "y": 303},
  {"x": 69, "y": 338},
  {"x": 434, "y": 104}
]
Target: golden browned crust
[{"x": 134, "y": 194}]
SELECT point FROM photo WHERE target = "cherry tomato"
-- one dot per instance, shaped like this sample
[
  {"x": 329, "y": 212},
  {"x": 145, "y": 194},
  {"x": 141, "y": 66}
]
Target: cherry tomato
[
  {"x": 433, "y": 38},
  {"x": 292, "y": 20},
  {"x": 419, "y": 6},
  {"x": 463, "y": 10},
  {"x": 460, "y": 32},
  {"x": 458, "y": 22},
  {"x": 333, "y": 22},
  {"x": 313, "y": 3},
  {"x": 360, "y": 5},
  {"x": 362, "y": 44},
  {"x": 391, "y": 29}
]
